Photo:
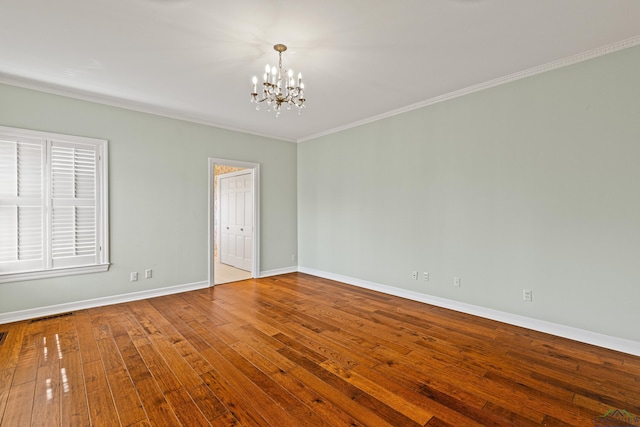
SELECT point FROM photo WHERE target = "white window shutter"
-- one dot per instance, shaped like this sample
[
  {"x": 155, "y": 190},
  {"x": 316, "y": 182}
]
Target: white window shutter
[
  {"x": 74, "y": 195},
  {"x": 21, "y": 204},
  {"x": 53, "y": 205}
]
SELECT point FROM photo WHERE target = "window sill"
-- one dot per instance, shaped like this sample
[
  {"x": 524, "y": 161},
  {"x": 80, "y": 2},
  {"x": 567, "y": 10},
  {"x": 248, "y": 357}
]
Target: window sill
[{"x": 45, "y": 274}]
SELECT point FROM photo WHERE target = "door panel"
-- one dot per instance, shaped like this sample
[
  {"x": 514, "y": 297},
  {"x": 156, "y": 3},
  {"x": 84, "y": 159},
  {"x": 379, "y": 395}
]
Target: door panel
[
  {"x": 236, "y": 215},
  {"x": 224, "y": 222},
  {"x": 248, "y": 250}
]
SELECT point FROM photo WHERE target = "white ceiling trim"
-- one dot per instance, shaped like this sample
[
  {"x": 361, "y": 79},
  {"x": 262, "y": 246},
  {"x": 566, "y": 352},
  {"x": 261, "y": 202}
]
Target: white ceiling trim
[
  {"x": 565, "y": 62},
  {"x": 120, "y": 103},
  {"x": 159, "y": 111}
]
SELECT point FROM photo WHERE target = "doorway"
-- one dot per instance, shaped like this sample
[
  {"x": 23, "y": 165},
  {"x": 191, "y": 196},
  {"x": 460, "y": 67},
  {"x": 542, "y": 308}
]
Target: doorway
[{"x": 233, "y": 220}]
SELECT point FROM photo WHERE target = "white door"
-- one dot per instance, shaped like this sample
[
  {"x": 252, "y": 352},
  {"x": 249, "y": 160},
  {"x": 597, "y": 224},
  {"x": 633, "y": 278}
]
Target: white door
[{"x": 236, "y": 219}]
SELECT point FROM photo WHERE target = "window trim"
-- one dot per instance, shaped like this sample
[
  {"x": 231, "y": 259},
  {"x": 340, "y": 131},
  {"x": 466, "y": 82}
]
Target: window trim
[
  {"x": 59, "y": 272},
  {"x": 102, "y": 205}
]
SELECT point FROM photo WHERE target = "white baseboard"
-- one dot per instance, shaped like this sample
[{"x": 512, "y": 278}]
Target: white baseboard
[
  {"x": 34, "y": 313},
  {"x": 268, "y": 273},
  {"x": 581, "y": 335}
]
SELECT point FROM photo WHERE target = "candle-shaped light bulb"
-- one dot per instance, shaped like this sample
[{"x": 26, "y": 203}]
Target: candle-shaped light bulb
[
  {"x": 255, "y": 82},
  {"x": 273, "y": 75}
]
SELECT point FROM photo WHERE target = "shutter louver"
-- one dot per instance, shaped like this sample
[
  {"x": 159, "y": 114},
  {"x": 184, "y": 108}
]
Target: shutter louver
[
  {"x": 73, "y": 223},
  {"x": 20, "y": 169},
  {"x": 62, "y": 243},
  {"x": 8, "y": 234},
  {"x": 74, "y": 231},
  {"x": 29, "y": 170},
  {"x": 29, "y": 233},
  {"x": 86, "y": 230},
  {"x": 8, "y": 168}
]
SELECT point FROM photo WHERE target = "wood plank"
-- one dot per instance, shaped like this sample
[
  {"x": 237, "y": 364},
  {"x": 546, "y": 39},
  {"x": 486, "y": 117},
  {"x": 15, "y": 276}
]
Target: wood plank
[
  {"x": 102, "y": 410},
  {"x": 328, "y": 413},
  {"x": 28, "y": 358},
  {"x": 344, "y": 402},
  {"x": 268, "y": 409},
  {"x": 11, "y": 345},
  {"x": 237, "y": 405},
  {"x": 125, "y": 396},
  {"x": 381, "y": 393},
  {"x": 208, "y": 403},
  {"x": 159, "y": 368},
  {"x": 19, "y": 405},
  {"x": 6, "y": 377},
  {"x": 185, "y": 408},
  {"x": 418, "y": 398},
  {"x": 73, "y": 402},
  {"x": 46, "y": 402}
]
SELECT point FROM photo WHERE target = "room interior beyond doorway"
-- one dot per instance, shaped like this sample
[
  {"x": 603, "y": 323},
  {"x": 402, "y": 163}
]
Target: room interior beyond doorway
[{"x": 223, "y": 272}]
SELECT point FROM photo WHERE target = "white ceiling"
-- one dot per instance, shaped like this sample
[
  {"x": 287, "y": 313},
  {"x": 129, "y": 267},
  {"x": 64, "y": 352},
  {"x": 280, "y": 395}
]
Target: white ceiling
[{"x": 360, "y": 59}]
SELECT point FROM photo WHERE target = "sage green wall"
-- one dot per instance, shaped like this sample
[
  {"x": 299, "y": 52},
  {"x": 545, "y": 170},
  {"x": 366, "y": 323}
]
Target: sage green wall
[
  {"x": 158, "y": 172},
  {"x": 532, "y": 184}
]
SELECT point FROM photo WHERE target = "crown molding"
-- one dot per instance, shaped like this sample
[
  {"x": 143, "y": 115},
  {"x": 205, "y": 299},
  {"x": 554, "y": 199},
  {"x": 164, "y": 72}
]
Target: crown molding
[
  {"x": 561, "y": 63},
  {"x": 123, "y": 103},
  {"x": 158, "y": 111}
]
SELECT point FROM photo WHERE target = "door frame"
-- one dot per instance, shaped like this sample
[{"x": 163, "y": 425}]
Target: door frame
[{"x": 254, "y": 168}]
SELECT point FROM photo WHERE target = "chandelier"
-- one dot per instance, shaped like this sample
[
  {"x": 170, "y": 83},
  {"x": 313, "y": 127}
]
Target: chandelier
[{"x": 278, "y": 88}]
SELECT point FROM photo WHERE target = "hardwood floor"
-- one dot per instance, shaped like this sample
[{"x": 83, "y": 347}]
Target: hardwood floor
[{"x": 296, "y": 350}]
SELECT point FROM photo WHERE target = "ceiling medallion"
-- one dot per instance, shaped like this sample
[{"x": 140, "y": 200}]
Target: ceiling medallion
[{"x": 278, "y": 88}]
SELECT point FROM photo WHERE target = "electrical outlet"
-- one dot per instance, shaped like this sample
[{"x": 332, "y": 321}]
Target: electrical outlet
[
  {"x": 527, "y": 295},
  {"x": 293, "y": 257},
  {"x": 148, "y": 273},
  {"x": 414, "y": 275},
  {"x": 134, "y": 276},
  {"x": 425, "y": 276},
  {"x": 456, "y": 281}
]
